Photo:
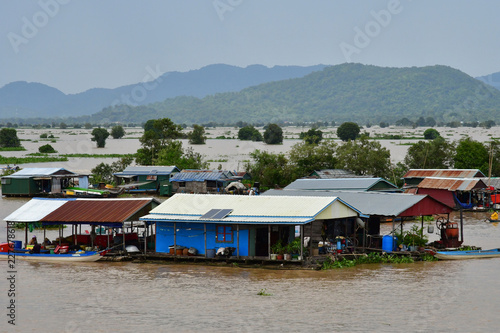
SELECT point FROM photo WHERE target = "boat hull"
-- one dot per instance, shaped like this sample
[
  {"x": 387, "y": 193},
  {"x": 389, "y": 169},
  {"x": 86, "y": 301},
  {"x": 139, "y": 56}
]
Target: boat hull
[
  {"x": 461, "y": 255},
  {"x": 72, "y": 257}
]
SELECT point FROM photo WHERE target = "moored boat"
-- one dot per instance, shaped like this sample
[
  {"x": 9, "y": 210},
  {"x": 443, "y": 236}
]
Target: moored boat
[
  {"x": 472, "y": 254},
  {"x": 80, "y": 256}
]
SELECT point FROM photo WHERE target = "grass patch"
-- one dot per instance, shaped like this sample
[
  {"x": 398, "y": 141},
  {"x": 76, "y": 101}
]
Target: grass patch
[
  {"x": 372, "y": 258},
  {"x": 98, "y": 155},
  {"x": 220, "y": 161},
  {"x": 13, "y": 149},
  {"x": 22, "y": 160},
  {"x": 263, "y": 292}
]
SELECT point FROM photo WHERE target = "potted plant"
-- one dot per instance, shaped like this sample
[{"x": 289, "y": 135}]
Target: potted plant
[
  {"x": 294, "y": 248},
  {"x": 278, "y": 250}
]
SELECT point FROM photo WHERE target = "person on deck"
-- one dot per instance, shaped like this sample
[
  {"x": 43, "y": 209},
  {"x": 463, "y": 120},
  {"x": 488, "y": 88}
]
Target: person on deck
[{"x": 33, "y": 241}]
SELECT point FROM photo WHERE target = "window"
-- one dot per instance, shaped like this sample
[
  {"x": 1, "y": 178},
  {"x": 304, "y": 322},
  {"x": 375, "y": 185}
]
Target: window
[
  {"x": 182, "y": 184},
  {"x": 5, "y": 181},
  {"x": 224, "y": 234}
]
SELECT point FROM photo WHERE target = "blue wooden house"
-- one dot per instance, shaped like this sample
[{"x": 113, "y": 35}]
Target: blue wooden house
[{"x": 250, "y": 224}]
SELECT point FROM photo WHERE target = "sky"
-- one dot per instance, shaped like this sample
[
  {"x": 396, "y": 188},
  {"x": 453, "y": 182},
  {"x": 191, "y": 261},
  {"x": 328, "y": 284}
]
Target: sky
[{"x": 75, "y": 45}]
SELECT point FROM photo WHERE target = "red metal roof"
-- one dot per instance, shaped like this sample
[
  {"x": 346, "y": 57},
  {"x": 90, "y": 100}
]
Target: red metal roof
[
  {"x": 452, "y": 184},
  {"x": 97, "y": 210},
  {"x": 443, "y": 173}
]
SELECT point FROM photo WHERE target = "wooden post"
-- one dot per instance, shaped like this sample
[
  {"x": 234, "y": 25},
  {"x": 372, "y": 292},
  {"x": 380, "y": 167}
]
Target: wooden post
[
  {"x": 393, "y": 232},
  {"x": 175, "y": 239},
  {"x": 238, "y": 241},
  {"x": 311, "y": 240},
  {"x": 461, "y": 224},
  {"x": 302, "y": 242},
  {"x": 145, "y": 237},
  {"x": 422, "y": 231},
  {"x": 269, "y": 241},
  {"x": 25, "y": 235},
  {"x": 205, "y": 234}
]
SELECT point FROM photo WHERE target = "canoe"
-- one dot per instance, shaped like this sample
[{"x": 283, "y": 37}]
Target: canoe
[
  {"x": 473, "y": 254},
  {"x": 49, "y": 257}
]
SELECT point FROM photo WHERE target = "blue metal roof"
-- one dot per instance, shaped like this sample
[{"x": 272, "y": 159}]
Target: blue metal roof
[
  {"x": 200, "y": 175},
  {"x": 147, "y": 170},
  {"x": 353, "y": 184}
]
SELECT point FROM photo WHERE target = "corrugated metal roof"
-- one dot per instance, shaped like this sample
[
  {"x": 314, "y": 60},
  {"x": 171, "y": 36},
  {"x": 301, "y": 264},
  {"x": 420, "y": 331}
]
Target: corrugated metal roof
[
  {"x": 148, "y": 170},
  {"x": 245, "y": 209},
  {"x": 443, "y": 173},
  {"x": 36, "y": 209},
  {"x": 452, "y": 184},
  {"x": 97, "y": 210},
  {"x": 493, "y": 181},
  {"x": 336, "y": 173},
  {"x": 353, "y": 184},
  {"x": 200, "y": 175},
  {"x": 368, "y": 203},
  {"x": 38, "y": 172}
]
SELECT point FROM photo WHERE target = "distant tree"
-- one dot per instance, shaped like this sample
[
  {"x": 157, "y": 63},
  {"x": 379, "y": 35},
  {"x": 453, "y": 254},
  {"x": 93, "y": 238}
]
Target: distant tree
[
  {"x": 63, "y": 126},
  {"x": 99, "y": 135},
  {"x": 8, "y": 138},
  {"x": 87, "y": 125},
  {"x": 249, "y": 133},
  {"x": 431, "y": 134},
  {"x": 471, "y": 154},
  {"x": 273, "y": 134},
  {"x": 312, "y": 136},
  {"x": 435, "y": 154},
  {"x": 46, "y": 149},
  {"x": 157, "y": 133},
  {"x": 173, "y": 154},
  {"x": 102, "y": 173},
  {"x": 430, "y": 121},
  {"x": 365, "y": 157},
  {"x": 348, "y": 131},
  {"x": 383, "y": 124},
  {"x": 454, "y": 124},
  {"x": 304, "y": 158},
  {"x": 271, "y": 170},
  {"x": 404, "y": 122},
  {"x": 420, "y": 122},
  {"x": 117, "y": 132},
  {"x": 197, "y": 135},
  {"x": 43, "y": 136},
  {"x": 488, "y": 124},
  {"x": 77, "y": 125}
]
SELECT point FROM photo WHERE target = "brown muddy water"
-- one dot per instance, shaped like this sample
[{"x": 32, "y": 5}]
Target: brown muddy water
[{"x": 440, "y": 296}]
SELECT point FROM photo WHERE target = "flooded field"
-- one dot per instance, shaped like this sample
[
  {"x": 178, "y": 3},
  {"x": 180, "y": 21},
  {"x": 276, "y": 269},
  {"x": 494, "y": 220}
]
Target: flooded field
[{"x": 231, "y": 154}]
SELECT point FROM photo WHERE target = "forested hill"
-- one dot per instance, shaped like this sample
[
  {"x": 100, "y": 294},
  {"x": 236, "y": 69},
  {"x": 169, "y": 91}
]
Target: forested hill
[
  {"x": 27, "y": 99},
  {"x": 347, "y": 92}
]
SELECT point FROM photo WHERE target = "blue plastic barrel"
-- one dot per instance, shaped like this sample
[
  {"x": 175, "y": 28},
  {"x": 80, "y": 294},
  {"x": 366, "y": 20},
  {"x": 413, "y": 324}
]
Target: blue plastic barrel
[
  {"x": 210, "y": 253},
  {"x": 18, "y": 244},
  {"x": 388, "y": 243}
]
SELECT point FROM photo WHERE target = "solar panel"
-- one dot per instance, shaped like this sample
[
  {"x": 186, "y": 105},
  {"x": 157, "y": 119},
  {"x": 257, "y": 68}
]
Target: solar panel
[
  {"x": 209, "y": 214},
  {"x": 222, "y": 213},
  {"x": 216, "y": 214}
]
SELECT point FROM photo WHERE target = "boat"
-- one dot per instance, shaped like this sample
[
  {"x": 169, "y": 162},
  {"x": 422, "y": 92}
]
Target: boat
[
  {"x": 472, "y": 254},
  {"x": 45, "y": 256}
]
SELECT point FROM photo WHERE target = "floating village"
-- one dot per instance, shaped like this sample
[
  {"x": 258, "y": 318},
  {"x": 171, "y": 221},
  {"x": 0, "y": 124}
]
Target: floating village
[{"x": 216, "y": 216}]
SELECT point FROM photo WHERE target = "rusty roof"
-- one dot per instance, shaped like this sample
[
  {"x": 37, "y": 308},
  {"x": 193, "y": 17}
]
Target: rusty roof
[
  {"x": 452, "y": 184},
  {"x": 443, "y": 173},
  {"x": 97, "y": 210}
]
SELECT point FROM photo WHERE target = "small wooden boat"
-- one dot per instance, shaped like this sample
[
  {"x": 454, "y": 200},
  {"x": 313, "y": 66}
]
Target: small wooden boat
[
  {"x": 82, "y": 256},
  {"x": 472, "y": 254}
]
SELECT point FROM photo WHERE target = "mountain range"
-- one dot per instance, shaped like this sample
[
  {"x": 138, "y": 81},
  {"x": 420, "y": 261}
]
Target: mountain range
[
  {"x": 35, "y": 100},
  {"x": 347, "y": 92}
]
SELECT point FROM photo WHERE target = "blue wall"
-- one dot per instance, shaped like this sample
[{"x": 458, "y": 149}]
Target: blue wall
[{"x": 191, "y": 235}]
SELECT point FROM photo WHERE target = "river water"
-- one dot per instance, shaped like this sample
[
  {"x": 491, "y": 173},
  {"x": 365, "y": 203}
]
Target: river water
[
  {"x": 133, "y": 297},
  {"x": 440, "y": 296}
]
